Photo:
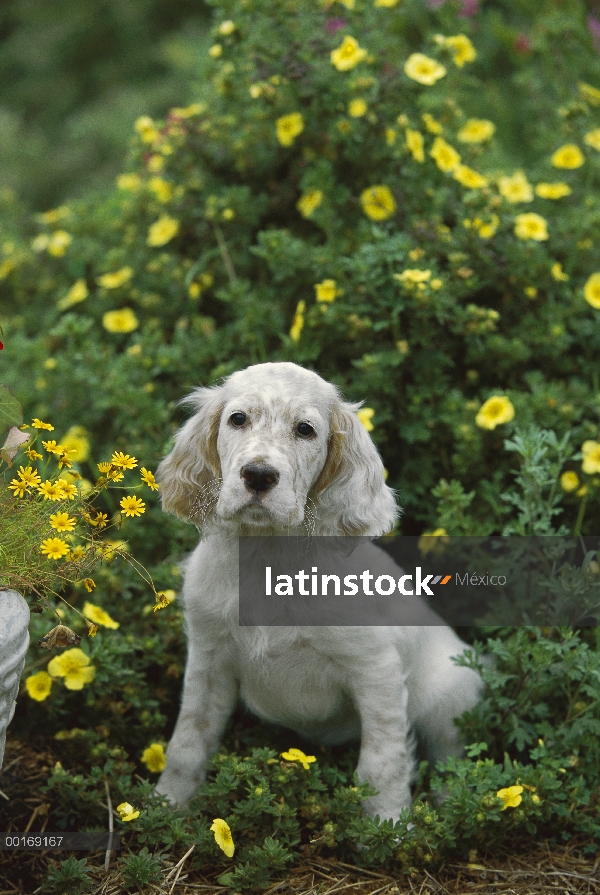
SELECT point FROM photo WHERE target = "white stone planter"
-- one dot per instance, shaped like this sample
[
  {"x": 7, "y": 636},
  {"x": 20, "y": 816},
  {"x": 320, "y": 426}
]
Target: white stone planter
[{"x": 14, "y": 640}]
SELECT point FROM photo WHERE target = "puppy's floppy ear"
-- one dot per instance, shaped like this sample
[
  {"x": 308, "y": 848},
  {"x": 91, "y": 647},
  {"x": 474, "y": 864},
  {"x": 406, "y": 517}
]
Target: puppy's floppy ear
[
  {"x": 194, "y": 462},
  {"x": 350, "y": 493}
]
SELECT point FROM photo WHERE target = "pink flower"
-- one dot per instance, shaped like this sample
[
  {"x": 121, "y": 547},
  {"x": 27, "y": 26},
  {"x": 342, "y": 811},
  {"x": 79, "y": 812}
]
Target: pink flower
[
  {"x": 333, "y": 25},
  {"x": 468, "y": 8},
  {"x": 594, "y": 28},
  {"x": 522, "y": 44}
]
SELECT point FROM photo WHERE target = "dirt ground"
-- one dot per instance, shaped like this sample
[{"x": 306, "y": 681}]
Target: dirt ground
[{"x": 565, "y": 870}]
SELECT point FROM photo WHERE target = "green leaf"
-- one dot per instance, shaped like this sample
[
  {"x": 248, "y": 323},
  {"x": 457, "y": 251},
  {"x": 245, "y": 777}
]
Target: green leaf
[{"x": 11, "y": 411}]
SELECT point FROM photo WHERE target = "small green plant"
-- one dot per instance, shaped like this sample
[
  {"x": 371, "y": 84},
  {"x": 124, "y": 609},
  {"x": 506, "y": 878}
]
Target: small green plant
[
  {"x": 70, "y": 876},
  {"x": 140, "y": 869}
]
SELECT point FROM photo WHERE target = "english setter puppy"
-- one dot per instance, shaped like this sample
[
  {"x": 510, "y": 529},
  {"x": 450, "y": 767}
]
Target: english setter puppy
[{"x": 275, "y": 450}]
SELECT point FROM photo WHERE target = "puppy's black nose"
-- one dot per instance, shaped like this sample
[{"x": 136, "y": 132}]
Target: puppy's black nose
[{"x": 259, "y": 477}]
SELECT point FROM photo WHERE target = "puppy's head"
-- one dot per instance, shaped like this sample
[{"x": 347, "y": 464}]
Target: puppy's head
[{"x": 273, "y": 449}]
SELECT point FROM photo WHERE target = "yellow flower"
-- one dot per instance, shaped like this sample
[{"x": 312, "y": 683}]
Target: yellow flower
[
  {"x": 365, "y": 415},
  {"x": 38, "y": 424},
  {"x": 78, "y": 292},
  {"x": 486, "y": 229},
  {"x": 89, "y": 584},
  {"x": 130, "y": 182},
  {"x": 348, "y": 54},
  {"x": 591, "y": 457},
  {"x": 515, "y": 188},
  {"x": 62, "y": 522},
  {"x": 298, "y": 321},
  {"x": 54, "y": 548},
  {"x": 592, "y": 138},
  {"x": 557, "y": 271},
  {"x": 162, "y": 601},
  {"x": 531, "y": 226},
  {"x": 127, "y": 812},
  {"x": 29, "y": 476},
  {"x": 124, "y": 461},
  {"x": 568, "y": 156},
  {"x": 115, "y": 279},
  {"x": 74, "y": 666},
  {"x": 463, "y": 49},
  {"x": 109, "y": 549},
  {"x": 39, "y": 685},
  {"x": 58, "y": 243},
  {"x": 589, "y": 93},
  {"x": 18, "y": 487},
  {"x": 97, "y": 615},
  {"x": 591, "y": 291},
  {"x": 223, "y": 836},
  {"x": 412, "y": 277},
  {"x": 227, "y": 27},
  {"x": 424, "y": 70},
  {"x": 433, "y": 126},
  {"x": 495, "y": 411},
  {"x": 469, "y": 178},
  {"x": 357, "y": 108},
  {"x": 388, "y": 3},
  {"x": 68, "y": 489},
  {"x": 132, "y": 506},
  {"x": 148, "y": 478},
  {"x": 154, "y": 758},
  {"x": 77, "y": 443},
  {"x": 162, "y": 231},
  {"x": 121, "y": 321},
  {"x": 309, "y": 202},
  {"x": 298, "y": 755},
  {"x": 326, "y": 291},
  {"x": 444, "y": 155},
  {"x": 146, "y": 129},
  {"x": 511, "y": 796},
  {"x": 378, "y": 203},
  {"x": 288, "y": 127},
  {"x": 552, "y": 190},
  {"x": 52, "y": 447},
  {"x": 414, "y": 144},
  {"x": 51, "y": 490},
  {"x": 569, "y": 481},
  {"x": 426, "y": 544},
  {"x": 215, "y": 51},
  {"x": 476, "y": 130}
]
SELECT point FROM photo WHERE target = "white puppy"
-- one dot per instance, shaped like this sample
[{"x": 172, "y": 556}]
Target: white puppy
[{"x": 276, "y": 451}]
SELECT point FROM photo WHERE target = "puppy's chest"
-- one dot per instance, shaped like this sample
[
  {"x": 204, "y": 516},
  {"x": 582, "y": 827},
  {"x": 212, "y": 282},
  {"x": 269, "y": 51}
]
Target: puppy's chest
[{"x": 290, "y": 683}]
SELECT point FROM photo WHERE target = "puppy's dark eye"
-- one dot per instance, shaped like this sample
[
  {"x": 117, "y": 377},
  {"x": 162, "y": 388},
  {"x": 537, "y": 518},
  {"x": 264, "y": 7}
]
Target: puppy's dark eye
[
  {"x": 305, "y": 430},
  {"x": 238, "y": 419}
]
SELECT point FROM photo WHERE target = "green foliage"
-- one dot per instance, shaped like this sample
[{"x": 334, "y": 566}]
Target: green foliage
[
  {"x": 69, "y": 876},
  {"x": 536, "y": 728},
  {"x": 140, "y": 869},
  {"x": 72, "y": 79}
]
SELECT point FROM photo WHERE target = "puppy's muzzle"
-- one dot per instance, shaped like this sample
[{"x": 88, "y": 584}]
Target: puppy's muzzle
[{"x": 259, "y": 477}]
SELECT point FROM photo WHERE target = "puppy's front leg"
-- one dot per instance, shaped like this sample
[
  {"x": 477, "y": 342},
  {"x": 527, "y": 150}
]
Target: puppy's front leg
[
  {"x": 209, "y": 696},
  {"x": 386, "y": 754}
]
